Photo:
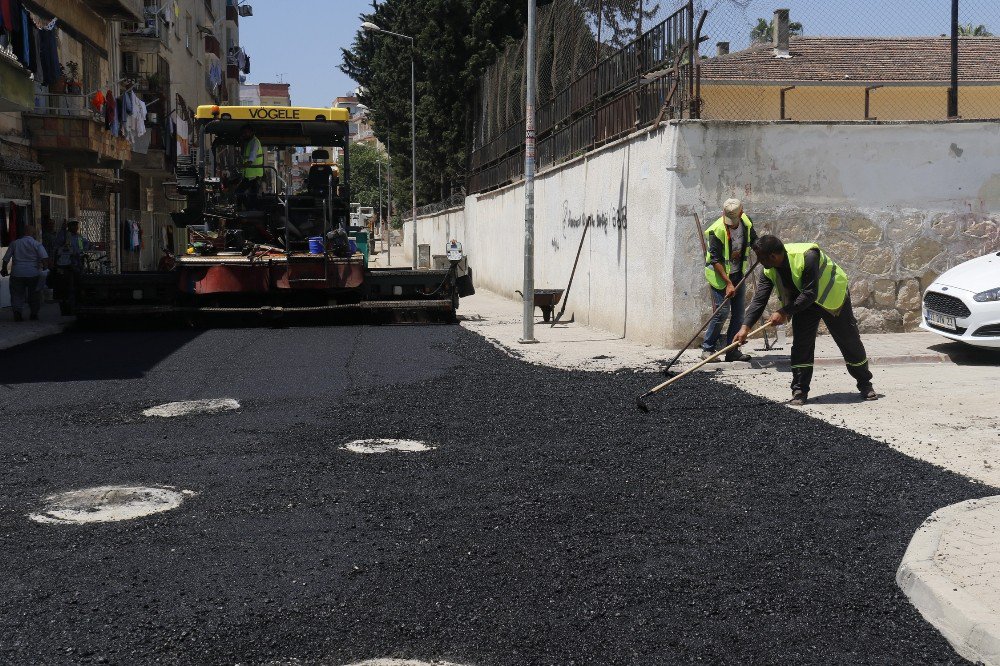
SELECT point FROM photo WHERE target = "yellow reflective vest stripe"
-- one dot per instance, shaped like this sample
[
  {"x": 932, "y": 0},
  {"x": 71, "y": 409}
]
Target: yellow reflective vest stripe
[
  {"x": 720, "y": 231},
  {"x": 256, "y": 169},
  {"x": 831, "y": 287}
]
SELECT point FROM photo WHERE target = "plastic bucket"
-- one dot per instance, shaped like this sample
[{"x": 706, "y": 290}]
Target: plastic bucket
[{"x": 316, "y": 245}]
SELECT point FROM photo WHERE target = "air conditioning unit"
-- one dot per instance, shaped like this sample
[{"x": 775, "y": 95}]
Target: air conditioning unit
[{"x": 246, "y": 10}]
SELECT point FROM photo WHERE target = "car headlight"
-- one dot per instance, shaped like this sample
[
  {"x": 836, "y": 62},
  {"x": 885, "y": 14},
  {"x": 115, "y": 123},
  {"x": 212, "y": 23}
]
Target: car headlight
[{"x": 987, "y": 296}]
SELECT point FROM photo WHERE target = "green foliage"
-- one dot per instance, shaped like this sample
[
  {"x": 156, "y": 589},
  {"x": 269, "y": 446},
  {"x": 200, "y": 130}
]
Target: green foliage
[
  {"x": 974, "y": 31},
  {"x": 454, "y": 42},
  {"x": 762, "y": 32},
  {"x": 365, "y": 160}
]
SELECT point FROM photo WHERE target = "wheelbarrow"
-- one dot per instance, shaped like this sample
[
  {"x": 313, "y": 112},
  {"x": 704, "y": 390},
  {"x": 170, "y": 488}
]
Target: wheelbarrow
[{"x": 547, "y": 300}]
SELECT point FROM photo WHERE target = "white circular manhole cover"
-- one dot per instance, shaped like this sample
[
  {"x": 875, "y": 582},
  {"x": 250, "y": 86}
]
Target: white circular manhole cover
[
  {"x": 108, "y": 504},
  {"x": 386, "y": 445},
  {"x": 192, "y": 407}
]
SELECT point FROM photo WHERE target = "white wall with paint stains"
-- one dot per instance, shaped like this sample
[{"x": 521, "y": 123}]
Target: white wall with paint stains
[{"x": 895, "y": 205}]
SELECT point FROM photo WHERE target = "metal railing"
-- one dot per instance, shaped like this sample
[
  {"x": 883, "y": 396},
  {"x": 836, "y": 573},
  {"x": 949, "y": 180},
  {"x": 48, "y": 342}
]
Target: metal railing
[
  {"x": 64, "y": 104},
  {"x": 647, "y": 80}
]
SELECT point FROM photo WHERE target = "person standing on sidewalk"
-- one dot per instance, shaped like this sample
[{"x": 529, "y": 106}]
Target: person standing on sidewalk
[
  {"x": 811, "y": 287},
  {"x": 29, "y": 258},
  {"x": 726, "y": 261}
]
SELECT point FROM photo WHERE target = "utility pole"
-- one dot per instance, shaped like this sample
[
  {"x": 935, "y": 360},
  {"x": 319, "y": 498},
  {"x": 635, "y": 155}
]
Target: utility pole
[
  {"x": 371, "y": 27},
  {"x": 953, "y": 90},
  {"x": 388, "y": 197},
  {"x": 381, "y": 217},
  {"x": 528, "y": 332}
]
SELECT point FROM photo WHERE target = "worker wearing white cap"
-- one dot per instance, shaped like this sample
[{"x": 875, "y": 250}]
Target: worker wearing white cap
[{"x": 729, "y": 239}]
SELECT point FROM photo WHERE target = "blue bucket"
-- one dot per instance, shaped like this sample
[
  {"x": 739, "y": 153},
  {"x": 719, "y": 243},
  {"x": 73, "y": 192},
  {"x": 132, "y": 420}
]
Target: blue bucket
[
  {"x": 353, "y": 244},
  {"x": 316, "y": 245}
]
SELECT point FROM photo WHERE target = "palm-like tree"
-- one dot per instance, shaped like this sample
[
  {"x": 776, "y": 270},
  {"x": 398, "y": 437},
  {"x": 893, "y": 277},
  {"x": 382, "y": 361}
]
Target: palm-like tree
[
  {"x": 761, "y": 33},
  {"x": 977, "y": 31}
]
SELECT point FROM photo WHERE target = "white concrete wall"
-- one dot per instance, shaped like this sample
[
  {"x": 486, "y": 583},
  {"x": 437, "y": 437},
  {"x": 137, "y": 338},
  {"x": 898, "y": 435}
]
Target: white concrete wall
[
  {"x": 435, "y": 229},
  {"x": 895, "y": 205}
]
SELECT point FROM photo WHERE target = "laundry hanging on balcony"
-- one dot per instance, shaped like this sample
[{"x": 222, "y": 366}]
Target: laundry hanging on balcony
[
  {"x": 215, "y": 75},
  {"x": 33, "y": 41}
]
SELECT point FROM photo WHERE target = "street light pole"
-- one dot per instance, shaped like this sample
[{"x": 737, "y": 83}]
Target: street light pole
[
  {"x": 413, "y": 146},
  {"x": 528, "y": 289},
  {"x": 381, "y": 217},
  {"x": 388, "y": 198},
  {"x": 371, "y": 27}
]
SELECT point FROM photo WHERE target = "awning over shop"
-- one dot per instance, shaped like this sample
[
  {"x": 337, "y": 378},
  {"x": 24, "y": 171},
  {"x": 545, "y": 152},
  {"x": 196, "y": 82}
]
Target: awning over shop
[{"x": 22, "y": 167}]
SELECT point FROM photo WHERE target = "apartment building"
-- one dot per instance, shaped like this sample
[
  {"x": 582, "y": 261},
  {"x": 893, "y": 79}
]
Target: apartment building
[{"x": 92, "y": 118}]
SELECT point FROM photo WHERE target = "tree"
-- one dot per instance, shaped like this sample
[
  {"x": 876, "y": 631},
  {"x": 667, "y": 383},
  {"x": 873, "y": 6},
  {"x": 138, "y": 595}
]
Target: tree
[
  {"x": 620, "y": 23},
  {"x": 762, "y": 32},
  {"x": 977, "y": 31},
  {"x": 454, "y": 42},
  {"x": 365, "y": 158}
]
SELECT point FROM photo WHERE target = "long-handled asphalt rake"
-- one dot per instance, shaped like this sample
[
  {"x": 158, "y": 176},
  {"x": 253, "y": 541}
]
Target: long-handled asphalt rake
[
  {"x": 683, "y": 349},
  {"x": 641, "y": 400}
]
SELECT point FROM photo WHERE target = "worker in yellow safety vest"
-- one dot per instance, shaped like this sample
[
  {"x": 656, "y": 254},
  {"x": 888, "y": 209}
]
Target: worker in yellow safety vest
[
  {"x": 728, "y": 241},
  {"x": 252, "y": 167},
  {"x": 811, "y": 287}
]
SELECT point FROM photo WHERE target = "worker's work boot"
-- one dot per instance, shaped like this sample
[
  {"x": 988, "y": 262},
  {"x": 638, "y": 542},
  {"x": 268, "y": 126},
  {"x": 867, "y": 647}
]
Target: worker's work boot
[
  {"x": 737, "y": 355},
  {"x": 706, "y": 354},
  {"x": 868, "y": 392},
  {"x": 799, "y": 399}
]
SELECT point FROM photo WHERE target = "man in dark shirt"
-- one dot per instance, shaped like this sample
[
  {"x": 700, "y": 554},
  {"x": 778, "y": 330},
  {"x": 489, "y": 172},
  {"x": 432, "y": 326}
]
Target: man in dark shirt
[{"x": 811, "y": 287}]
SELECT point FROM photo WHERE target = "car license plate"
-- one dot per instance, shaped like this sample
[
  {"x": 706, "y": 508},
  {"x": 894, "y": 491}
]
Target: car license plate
[{"x": 942, "y": 320}]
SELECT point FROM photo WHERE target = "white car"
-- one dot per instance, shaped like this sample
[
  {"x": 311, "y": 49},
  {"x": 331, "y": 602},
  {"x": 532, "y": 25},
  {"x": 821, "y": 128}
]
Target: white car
[{"x": 964, "y": 303}]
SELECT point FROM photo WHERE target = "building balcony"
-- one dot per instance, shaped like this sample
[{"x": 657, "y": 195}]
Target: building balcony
[
  {"x": 17, "y": 91},
  {"x": 68, "y": 132},
  {"x": 124, "y": 10},
  {"x": 233, "y": 13},
  {"x": 212, "y": 46}
]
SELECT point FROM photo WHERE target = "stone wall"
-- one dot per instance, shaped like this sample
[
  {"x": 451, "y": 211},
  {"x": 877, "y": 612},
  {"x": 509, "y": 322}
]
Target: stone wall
[{"x": 895, "y": 204}]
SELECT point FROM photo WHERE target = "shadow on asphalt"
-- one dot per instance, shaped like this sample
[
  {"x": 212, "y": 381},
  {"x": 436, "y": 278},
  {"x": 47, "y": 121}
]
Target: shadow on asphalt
[
  {"x": 81, "y": 355},
  {"x": 963, "y": 354}
]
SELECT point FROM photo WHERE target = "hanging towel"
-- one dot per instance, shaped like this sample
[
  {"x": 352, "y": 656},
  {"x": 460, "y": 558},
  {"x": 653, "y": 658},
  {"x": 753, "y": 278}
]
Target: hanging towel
[
  {"x": 51, "y": 70},
  {"x": 110, "y": 112},
  {"x": 35, "y": 45},
  {"x": 19, "y": 35},
  {"x": 7, "y": 15}
]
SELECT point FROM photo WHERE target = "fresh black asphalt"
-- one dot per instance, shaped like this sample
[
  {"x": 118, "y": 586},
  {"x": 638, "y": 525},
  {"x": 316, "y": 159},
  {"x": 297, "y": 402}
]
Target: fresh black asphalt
[{"x": 553, "y": 523}]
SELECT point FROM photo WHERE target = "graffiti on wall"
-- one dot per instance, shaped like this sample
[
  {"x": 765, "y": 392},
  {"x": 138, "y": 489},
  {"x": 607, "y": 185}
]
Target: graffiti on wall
[{"x": 614, "y": 218}]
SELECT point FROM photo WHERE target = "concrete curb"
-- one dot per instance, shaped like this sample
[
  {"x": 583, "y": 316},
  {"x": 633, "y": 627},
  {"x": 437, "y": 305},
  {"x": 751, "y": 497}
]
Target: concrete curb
[
  {"x": 970, "y": 626},
  {"x": 10, "y": 339}
]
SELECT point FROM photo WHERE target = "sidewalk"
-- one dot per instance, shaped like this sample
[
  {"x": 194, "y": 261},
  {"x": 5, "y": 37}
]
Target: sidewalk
[
  {"x": 13, "y": 333},
  {"x": 577, "y": 347}
]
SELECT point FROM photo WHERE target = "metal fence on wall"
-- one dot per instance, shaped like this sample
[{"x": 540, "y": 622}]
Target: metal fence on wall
[
  {"x": 849, "y": 60},
  {"x": 606, "y": 68},
  {"x": 852, "y": 60}
]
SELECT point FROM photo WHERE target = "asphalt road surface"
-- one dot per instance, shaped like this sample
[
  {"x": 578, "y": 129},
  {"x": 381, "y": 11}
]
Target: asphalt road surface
[{"x": 552, "y": 523}]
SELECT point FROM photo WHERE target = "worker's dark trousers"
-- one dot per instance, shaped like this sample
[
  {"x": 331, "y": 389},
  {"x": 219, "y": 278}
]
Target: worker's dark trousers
[{"x": 844, "y": 329}]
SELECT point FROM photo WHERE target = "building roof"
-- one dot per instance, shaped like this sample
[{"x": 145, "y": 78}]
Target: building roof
[
  {"x": 861, "y": 59},
  {"x": 12, "y": 164}
]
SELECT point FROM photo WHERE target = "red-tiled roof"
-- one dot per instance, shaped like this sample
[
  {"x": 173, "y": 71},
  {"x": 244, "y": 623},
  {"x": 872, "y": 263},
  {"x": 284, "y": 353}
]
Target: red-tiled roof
[{"x": 879, "y": 59}]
